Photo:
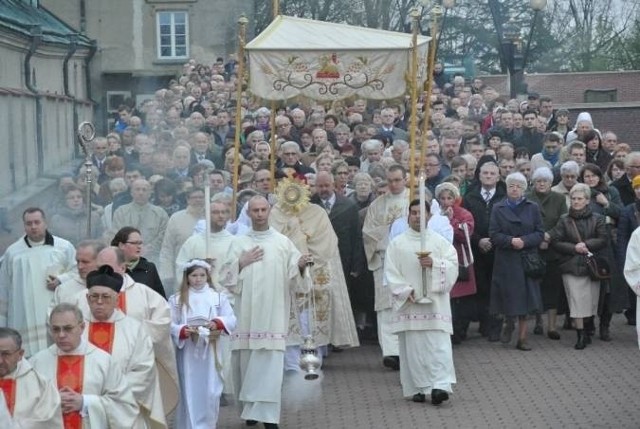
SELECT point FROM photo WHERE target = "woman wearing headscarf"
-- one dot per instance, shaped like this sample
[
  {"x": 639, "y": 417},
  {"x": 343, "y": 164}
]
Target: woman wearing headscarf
[
  {"x": 515, "y": 228},
  {"x": 461, "y": 220}
]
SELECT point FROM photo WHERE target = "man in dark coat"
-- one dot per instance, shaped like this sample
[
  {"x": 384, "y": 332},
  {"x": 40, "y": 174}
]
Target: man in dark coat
[
  {"x": 343, "y": 214},
  {"x": 480, "y": 200},
  {"x": 623, "y": 184},
  {"x": 531, "y": 138}
]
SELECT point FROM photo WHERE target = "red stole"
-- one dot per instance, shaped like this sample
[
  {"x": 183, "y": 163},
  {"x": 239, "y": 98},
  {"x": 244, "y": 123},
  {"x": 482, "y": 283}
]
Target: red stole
[
  {"x": 101, "y": 335},
  {"x": 122, "y": 302},
  {"x": 70, "y": 373},
  {"x": 8, "y": 387}
]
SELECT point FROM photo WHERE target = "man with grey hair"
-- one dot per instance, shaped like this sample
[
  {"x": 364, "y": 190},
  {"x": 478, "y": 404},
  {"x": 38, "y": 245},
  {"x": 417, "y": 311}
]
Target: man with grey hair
[
  {"x": 91, "y": 384},
  {"x": 371, "y": 152},
  {"x": 398, "y": 147},
  {"x": 86, "y": 261},
  {"x": 150, "y": 219},
  {"x": 388, "y": 128},
  {"x": 290, "y": 158},
  {"x": 623, "y": 184},
  {"x": 36, "y": 402}
]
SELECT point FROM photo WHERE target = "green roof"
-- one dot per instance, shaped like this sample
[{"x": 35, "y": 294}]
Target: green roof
[{"x": 19, "y": 16}]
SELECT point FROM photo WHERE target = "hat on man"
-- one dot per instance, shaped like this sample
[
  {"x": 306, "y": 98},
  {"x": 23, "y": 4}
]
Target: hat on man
[{"x": 105, "y": 276}]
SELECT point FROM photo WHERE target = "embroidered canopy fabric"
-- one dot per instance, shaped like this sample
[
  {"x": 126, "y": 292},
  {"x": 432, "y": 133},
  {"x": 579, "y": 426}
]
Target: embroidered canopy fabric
[{"x": 327, "y": 61}]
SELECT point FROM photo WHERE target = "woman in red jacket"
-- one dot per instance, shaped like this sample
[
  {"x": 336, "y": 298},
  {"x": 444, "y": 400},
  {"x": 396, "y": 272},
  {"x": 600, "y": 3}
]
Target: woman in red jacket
[{"x": 462, "y": 302}]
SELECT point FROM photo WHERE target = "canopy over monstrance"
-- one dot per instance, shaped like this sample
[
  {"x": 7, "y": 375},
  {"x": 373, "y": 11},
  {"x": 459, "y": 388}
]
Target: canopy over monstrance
[{"x": 328, "y": 61}]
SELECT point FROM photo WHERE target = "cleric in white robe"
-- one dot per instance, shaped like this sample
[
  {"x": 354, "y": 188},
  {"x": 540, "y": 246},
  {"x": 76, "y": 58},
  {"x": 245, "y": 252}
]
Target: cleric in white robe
[
  {"x": 144, "y": 304},
  {"x": 32, "y": 401},
  {"x": 24, "y": 292},
  {"x": 632, "y": 271},
  {"x": 262, "y": 268},
  {"x": 421, "y": 313},
  {"x": 93, "y": 391},
  {"x": 198, "y": 308},
  {"x": 126, "y": 340}
]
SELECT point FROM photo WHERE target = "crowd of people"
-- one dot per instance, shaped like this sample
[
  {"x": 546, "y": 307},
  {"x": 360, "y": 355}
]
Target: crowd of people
[{"x": 528, "y": 212}]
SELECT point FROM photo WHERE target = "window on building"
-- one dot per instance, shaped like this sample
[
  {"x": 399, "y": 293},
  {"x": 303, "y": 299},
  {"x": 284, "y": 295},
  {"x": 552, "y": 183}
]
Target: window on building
[{"x": 173, "y": 34}]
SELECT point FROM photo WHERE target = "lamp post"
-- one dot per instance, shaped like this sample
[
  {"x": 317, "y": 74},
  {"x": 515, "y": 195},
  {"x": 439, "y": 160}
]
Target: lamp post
[{"x": 512, "y": 57}]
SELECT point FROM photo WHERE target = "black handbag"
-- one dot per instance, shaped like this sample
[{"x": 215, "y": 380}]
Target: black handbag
[
  {"x": 533, "y": 264},
  {"x": 598, "y": 266}
]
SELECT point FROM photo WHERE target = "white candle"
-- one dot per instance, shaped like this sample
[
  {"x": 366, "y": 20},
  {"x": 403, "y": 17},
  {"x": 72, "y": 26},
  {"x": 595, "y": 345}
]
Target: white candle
[
  {"x": 423, "y": 197},
  {"x": 207, "y": 215}
]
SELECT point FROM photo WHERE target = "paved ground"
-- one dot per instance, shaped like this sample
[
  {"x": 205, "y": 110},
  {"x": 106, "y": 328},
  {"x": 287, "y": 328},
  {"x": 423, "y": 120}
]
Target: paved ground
[{"x": 552, "y": 386}]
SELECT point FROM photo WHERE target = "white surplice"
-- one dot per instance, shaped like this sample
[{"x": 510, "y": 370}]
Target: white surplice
[
  {"x": 196, "y": 248},
  {"x": 200, "y": 364},
  {"x": 132, "y": 349},
  {"x": 632, "y": 272},
  {"x": 107, "y": 398},
  {"x": 67, "y": 290},
  {"x": 37, "y": 402},
  {"x": 24, "y": 297},
  {"x": 381, "y": 214},
  {"x": 262, "y": 306},
  {"x": 426, "y": 360},
  {"x": 179, "y": 229},
  {"x": 147, "y": 306}
]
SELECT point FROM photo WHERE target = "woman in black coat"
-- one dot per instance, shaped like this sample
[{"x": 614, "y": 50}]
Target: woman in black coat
[
  {"x": 129, "y": 240},
  {"x": 515, "y": 227},
  {"x": 578, "y": 233}
]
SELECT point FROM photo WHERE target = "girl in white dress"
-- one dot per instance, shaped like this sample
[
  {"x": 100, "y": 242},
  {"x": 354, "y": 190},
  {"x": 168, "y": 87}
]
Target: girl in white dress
[{"x": 198, "y": 314}]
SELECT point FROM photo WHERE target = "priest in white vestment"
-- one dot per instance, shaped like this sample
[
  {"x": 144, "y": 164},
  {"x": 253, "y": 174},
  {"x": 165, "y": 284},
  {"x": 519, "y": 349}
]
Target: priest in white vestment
[
  {"x": 195, "y": 310},
  {"x": 381, "y": 214},
  {"x": 25, "y": 293},
  {"x": 86, "y": 261},
  {"x": 421, "y": 315},
  {"x": 179, "y": 229},
  {"x": 126, "y": 340},
  {"x": 632, "y": 271},
  {"x": 262, "y": 268},
  {"x": 147, "y": 306},
  {"x": 94, "y": 393},
  {"x": 31, "y": 400}
]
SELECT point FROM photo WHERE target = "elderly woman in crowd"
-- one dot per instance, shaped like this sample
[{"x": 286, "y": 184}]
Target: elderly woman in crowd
[
  {"x": 364, "y": 193},
  {"x": 606, "y": 201},
  {"x": 576, "y": 235},
  {"x": 461, "y": 220},
  {"x": 569, "y": 172},
  {"x": 515, "y": 228},
  {"x": 552, "y": 207}
]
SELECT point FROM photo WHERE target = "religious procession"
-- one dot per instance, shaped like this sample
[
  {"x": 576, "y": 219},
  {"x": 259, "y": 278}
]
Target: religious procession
[{"x": 262, "y": 214}]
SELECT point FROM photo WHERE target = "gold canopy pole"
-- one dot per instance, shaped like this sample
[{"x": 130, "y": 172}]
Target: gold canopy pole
[
  {"x": 272, "y": 155},
  {"x": 413, "y": 85},
  {"x": 431, "y": 61},
  {"x": 242, "y": 22}
]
